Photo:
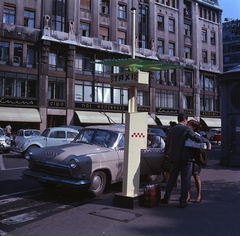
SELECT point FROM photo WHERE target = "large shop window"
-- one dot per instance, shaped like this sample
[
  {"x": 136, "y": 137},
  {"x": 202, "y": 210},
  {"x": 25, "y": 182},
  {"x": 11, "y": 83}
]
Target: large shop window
[
  {"x": 102, "y": 93},
  {"x": 56, "y": 88},
  {"x": 83, "y": 91},
  {"x": 167, "y": 99},
  {"x": 18, "y": 85},
  {"x": 120, "y": 96}
]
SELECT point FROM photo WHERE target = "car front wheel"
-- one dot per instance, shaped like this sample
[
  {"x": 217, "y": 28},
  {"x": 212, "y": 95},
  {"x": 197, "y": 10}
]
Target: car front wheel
[{"x": 98, "y": 183}]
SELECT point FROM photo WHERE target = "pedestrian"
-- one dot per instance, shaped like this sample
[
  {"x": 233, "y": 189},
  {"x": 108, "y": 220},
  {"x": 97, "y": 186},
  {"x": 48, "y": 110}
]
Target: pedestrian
[
  {"x": 196, "y": 169},
  {"x": 166, "y": 164},
  {"x": 174, "y": 148},
  {"x": 8, "y": 130},
  {"x": 155, "y": 141}
]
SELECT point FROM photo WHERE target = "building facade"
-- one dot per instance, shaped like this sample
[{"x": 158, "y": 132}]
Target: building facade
[
  {"x": 49, "y": 54},
  {"x": 231, "y": 47}
]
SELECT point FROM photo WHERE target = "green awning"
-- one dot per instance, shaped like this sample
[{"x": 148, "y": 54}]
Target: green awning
[{"x": 135, "y": 64}]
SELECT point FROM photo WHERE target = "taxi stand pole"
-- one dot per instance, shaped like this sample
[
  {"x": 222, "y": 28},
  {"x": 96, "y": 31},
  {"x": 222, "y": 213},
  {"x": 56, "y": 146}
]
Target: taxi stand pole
[{"x": 135, "y": 140}]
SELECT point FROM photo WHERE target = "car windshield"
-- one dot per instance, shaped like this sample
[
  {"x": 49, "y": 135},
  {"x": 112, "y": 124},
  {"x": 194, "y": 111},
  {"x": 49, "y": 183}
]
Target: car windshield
[
  {"x": 45, "y": 132},
  {"x": 104, "y": 138},
  {"x": 156, "y": 131}
]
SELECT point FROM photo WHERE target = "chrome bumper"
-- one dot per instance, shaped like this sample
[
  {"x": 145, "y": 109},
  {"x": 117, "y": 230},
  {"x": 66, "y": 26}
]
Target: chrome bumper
[{"x": 55, "y": 179}]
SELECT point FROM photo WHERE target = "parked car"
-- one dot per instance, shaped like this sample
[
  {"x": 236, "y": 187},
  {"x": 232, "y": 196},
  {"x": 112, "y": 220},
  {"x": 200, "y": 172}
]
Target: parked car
[
  {"x": 158, "y": 131},
  {"x": 216, "y": 138},
  {"x": 5, "y": 142},
  {"x": 54, "y": 136},
  {"x": 78, "y": 128},
  {"x": 24, "y": 134},
  {"x": 93, "y": 160}
]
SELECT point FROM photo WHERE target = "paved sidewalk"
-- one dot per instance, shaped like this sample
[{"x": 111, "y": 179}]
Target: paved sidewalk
[{"x": 217, "y": 214}]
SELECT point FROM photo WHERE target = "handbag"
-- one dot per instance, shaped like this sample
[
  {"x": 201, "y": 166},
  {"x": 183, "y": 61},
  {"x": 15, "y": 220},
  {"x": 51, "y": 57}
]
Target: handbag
[{"x": 200, "y": 156}]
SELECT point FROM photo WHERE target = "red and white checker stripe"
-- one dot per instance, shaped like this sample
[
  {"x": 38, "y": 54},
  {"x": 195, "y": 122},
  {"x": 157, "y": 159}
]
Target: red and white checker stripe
[
  {"x": 153, "y": 150},
  {"x": 138, "y": 135}
]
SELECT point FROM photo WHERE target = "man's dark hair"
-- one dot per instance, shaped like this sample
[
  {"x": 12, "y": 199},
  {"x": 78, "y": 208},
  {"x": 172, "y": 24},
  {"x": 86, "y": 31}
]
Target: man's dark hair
[{"x": 181, "y": 117}]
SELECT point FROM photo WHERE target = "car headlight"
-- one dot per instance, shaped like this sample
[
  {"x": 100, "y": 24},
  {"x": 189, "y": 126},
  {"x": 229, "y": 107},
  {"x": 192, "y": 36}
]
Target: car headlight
[
  {"x": 28, "y": 155},
  {"x": 74, "y": 163}
]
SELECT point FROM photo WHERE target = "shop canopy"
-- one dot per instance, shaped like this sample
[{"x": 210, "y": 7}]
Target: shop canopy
[
  {"x": 135, "y": 64},
  {"x": 14, "y": 114}
]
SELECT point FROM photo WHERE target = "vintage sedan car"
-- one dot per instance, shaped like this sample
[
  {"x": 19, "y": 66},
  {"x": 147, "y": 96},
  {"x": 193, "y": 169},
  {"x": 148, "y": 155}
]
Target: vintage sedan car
[
  {"x": 93, "y": 160},
  {"x": 24, "y": 134},
  {"x": 54, "y": 136},
  {"x": 5, "y": 142}
]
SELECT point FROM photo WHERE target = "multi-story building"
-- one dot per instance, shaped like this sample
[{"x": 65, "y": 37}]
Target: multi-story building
[
  {"x": 47, "y": 50},
  {"x": 231, "y": 47}
]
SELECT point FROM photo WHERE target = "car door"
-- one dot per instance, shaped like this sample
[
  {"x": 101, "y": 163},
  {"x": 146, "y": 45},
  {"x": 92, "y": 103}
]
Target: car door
[{"x": 56, "y": 138}]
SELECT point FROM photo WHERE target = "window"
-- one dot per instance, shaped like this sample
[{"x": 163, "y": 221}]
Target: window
[
  {"x": 160, "y": 22},
  {"x": 121, "y": 37},
  {"x": 29, "y": 18},
  {"x": 9, "y": 15},
  {"x": 17, "y": 57},
  {"x": 171, "y": 49},
  {"x": 83, "y": 91},
  {"x": 26, "y": 86},
  {"x": 204, "y": 56},
  {"x": 84, "y": 29},
  {"x": 143, "y": 23},
  {"x": 105, "y": 6},
  {"x": 209, "y": 83},
  {"x": 86, "y": 4},
  {"x": 207, "y": 103},
  {"x": 103, "y": 70},
  {"x": 142, "y": 98},
  {"x": 120, "y": 96},
  {"x": 166, "y": 98},
  {"x": 213, "y": 37},
  {"x": 213, "y": 58},
  {"x": 204, "y": 35},
  {"x": 83, "y": 64},
  {"x": 4, "y": 52},
  {"x": 188, "y": 101},
  {"x": 103, "y": 33},
  {"x": 30, "y": 57},
  {"x": 56, "y": 88},
  {"x": 102, "y": 93},
  {"x": 160, "y": 44},
  {"x": 187, "y": 30},
  {"x": 57, "y": 60},
  {"x": 171, "y": 25},
  {"x": 18, "y": 85},
  {"x": 188, "y": 52},
  {"x": 58, "y": 15},
  {"x": 122, "y": 11},
  {"x": 188, "y": 79}
]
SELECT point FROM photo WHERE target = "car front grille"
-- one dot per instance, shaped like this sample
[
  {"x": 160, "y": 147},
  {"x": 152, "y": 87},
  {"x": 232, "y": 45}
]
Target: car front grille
[{"x": 52, "y": 169}]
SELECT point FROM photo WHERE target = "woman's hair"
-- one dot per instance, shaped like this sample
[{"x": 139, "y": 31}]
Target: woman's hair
[
  {"x": 195, "y": 125},
  {"x": 172, "y": 123}
]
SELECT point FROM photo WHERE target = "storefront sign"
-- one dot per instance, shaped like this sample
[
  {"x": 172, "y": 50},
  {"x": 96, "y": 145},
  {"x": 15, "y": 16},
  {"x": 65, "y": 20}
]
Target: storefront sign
[
  {"x": 209, "y": 113},
  {"x": 167, "y": 111},
  {"x": 56, "y": 104},
  {"x": 22, "y": 102}
]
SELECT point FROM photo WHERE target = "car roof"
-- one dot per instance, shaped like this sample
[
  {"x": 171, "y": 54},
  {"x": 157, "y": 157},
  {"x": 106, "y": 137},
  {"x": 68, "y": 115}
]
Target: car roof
[
  {"x": 62, "y": 128},
  {"x": 29, "y": 129},
  {"x": 112, "y": 127}
]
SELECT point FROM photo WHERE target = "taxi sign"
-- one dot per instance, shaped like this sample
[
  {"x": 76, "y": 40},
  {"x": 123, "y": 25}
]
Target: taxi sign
[{"x": 136, "y": 79}]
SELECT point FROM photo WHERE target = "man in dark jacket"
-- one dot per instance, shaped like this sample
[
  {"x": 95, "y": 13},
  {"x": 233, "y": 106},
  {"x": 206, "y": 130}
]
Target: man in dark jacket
[{"x": 174, "y": 148}]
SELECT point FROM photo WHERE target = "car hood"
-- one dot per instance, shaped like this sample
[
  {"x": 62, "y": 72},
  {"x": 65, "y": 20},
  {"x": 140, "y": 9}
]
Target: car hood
[{"x": 68, "y": 151}]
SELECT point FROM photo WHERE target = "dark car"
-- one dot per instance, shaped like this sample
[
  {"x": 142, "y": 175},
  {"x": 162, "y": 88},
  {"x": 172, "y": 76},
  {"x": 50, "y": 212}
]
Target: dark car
[{"x": 158, "y": 131}]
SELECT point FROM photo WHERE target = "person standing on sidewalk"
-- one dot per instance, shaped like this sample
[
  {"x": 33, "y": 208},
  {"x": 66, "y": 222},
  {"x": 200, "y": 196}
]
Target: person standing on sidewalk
[
  {"x": 196, "y": 169},
  {"x": 8, "y": 130},
  {"x": 174, "y": 147}
]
